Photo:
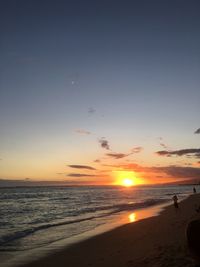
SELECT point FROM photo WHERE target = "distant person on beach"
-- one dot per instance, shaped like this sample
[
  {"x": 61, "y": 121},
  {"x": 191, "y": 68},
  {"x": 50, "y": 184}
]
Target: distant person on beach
[
  {"x": 175, "y": 199},
  {"x": 194, "y": 190},
  {"x": 193, "y": 240}
]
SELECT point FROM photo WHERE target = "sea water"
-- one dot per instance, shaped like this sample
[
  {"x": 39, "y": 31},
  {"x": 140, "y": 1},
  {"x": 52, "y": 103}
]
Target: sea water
[{"x": 35, "y": 217}]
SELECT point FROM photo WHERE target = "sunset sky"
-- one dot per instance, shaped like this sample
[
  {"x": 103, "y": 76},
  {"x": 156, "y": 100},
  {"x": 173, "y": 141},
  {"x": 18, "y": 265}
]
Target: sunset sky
[{"x": 98, "y": 91}]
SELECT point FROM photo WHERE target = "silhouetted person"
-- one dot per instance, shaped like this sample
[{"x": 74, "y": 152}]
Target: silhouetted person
[
  {"x": 175, "y": 199},
  {"x": 193, "y": 240},
  {"x": 194, "y": 190}
]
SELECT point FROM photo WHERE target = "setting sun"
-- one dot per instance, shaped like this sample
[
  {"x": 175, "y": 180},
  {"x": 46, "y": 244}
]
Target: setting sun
[
  {"x": 128, "y": 182},
  {"x": 127, "y": 178}
]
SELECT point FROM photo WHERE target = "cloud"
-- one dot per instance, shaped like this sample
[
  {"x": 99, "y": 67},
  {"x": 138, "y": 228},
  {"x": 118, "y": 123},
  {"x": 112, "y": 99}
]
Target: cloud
[
  {"x": 117, "y": 155},
  {"x": 59, "y": 173},
  {"x": 81, "y": 131},
  {"x": 194, "y": 152},
  {"x": 80, "y": 175},
  {"x": 180, "y": 172},
  {"x": 162, "y": 142},
  {"x": 197, "y": 131},
  {"x": 82, "y": 167},
  {"x": 97, "y": 161},
  {"x": 163, "y": 145},
  {"x": 164, "y": 153},
  {"x": 134, "y": 150},
  {"x": 137, "y": 149},
  {"x": 91, "y": 110},
  {"x": 104, "y": 143}
]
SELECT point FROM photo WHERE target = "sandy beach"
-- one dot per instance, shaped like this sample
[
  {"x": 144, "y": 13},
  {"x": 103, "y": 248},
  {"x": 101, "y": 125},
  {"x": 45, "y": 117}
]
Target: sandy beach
[{"x": 155, "y": 241}]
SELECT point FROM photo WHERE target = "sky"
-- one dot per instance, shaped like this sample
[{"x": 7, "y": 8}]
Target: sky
[{"x": 98, "y": 91}]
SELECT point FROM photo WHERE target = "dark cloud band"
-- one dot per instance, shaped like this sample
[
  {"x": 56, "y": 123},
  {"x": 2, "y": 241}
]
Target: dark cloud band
[
  {"x": 117, "y": 155},
  {"x": 81, "y": 167},
  {"x": 182, "y": 152}
]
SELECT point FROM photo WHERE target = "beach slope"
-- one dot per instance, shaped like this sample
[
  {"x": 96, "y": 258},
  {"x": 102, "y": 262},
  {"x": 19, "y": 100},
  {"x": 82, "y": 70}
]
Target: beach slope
[{"x": 156, "y": 241}]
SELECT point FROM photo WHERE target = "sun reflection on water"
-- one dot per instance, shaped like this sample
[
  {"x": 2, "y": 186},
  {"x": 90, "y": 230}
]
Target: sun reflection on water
[{"x": 132, "y": 217}]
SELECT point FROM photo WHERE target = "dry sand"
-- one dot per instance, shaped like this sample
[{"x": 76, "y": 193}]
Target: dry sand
[{"x": 156, "y": 241}]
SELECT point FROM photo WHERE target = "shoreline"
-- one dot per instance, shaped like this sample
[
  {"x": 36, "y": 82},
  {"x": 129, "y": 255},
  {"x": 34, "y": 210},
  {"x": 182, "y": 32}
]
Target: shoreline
[
  {"x": 133, "y": 244},
  {"x": 117, "y": 221}
]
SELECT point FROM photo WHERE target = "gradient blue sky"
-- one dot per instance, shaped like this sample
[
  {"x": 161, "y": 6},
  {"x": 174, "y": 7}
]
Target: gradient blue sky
[{"x": 127, "y": 71}]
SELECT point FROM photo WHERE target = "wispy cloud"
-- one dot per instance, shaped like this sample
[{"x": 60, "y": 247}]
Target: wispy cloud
[
  {"x": 162, "y": 143},
  {"x": 117, "y": 155},
  {"x": 80, "y": 175},
  {"x": 82, "y": 131},
  {"x": 197, "y": 131},
  {"x": 104, "y": 143},
  {"x": 75, "y": 166},
  {"x": 195, "y": 152},
  {"x": 91, "y": 110},
  {"x": 137, "y": 149}
]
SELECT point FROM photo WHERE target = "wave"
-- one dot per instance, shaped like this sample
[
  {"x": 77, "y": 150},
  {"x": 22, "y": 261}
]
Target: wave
[
  {"x": 109, "y": 210},
  {"x": 20, "y": 234}
]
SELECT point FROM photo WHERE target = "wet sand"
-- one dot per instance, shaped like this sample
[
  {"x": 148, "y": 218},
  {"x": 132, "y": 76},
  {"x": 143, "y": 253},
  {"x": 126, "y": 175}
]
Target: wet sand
[{"x": 155, "y": 241}]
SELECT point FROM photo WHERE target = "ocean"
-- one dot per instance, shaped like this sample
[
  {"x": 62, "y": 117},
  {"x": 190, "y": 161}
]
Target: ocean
[{"x": 39, "y": 217}]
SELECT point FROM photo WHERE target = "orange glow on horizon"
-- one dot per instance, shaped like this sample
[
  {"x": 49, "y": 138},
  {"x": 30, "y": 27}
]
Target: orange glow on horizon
[{"x": 127, "y": 178}]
